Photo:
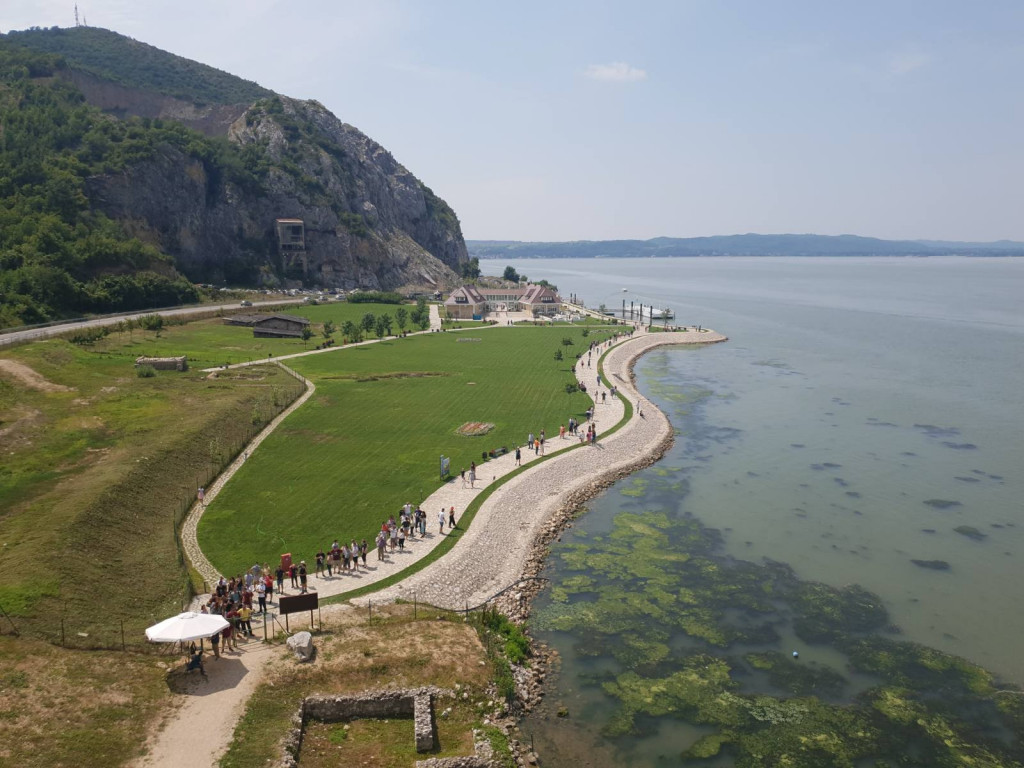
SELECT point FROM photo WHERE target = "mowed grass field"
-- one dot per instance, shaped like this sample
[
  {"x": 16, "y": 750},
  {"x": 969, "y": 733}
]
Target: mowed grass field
[{"x": 370, "y": 438}]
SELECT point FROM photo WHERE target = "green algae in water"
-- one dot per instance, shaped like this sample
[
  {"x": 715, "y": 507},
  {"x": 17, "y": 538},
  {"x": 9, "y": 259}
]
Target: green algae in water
[
  {"x": 636, "y": 488},
  {"x": 656, "y": 600}
]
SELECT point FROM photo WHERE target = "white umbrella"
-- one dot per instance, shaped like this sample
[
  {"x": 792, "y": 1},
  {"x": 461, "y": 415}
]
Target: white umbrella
[{"x": 185, "y": 627}]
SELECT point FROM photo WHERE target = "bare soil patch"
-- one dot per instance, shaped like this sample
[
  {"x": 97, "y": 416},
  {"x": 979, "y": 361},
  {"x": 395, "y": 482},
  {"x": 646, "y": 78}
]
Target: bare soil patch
[{"x": 29, "y": 378}]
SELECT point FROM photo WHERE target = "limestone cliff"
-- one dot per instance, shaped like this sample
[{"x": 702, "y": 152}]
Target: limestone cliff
[{"x": 212, "y": 203}]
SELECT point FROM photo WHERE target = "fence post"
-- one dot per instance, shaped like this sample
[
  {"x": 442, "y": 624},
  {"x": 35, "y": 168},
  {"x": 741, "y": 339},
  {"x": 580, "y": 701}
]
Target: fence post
[
  {"x": 62, "y": 633},
  {"x": 123, "y": 647},
  {"x": 369, "y": 615},
  {"x": 414, "y": 606}
]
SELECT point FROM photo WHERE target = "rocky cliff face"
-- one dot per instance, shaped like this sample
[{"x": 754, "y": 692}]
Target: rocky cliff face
[{"x": 369, "y": 223}]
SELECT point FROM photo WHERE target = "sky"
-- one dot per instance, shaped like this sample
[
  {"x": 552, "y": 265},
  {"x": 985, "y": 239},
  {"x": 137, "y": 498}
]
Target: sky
[{"x": 597, "y": 120}]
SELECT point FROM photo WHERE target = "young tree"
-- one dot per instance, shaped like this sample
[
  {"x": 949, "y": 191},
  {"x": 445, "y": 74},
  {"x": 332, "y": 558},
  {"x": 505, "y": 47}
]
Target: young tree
[
  {"x": 369, "y": 322},
  {"x": 402, "y": 318},
  {"x": 329, "y": 329},
  {"x": 350, "y": 331},
  {"x": 471, "y": 269},
  {"x": 424, "y": 321},
  {"x": 386, "y": 319},
  {"x": 307, "y": 334},
  {"x": 381, "y": 328}
]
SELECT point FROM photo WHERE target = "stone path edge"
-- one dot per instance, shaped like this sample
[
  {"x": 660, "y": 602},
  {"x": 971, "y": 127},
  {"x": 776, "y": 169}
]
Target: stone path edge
[
  {"x": 190, "y": 528},
  {"x": 573, "y": 499}
]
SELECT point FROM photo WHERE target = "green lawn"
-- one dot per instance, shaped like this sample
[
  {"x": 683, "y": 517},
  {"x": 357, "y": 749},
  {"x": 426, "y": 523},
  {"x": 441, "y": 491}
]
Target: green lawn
[
  {"x": 212, "y": 342},
  {"x": 371, "y": 437}
]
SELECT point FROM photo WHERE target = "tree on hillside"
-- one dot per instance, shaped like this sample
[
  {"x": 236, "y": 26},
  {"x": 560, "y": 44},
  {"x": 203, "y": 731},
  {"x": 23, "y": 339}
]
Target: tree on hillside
[
  {"x": 402, "y": 318},
  {"x": 471, "y": 269},
  {"x": 369, "y": 322},
  {"x": 511, "y": 274}
]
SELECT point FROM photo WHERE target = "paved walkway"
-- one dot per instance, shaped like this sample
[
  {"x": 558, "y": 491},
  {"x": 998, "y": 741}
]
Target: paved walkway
[
  {"x": 492, "y": 554},
  {"x": 584, "y": 466}
]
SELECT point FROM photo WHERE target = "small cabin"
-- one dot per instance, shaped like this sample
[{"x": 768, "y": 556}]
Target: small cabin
[{"x": 279, "y": 327}]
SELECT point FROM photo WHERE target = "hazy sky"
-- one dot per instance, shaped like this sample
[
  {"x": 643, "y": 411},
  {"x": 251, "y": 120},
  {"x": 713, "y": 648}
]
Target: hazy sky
[{"x": 592, "y": 120}]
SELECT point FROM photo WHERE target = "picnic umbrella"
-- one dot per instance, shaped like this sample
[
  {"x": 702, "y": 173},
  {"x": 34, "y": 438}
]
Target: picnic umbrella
[{"x": 185, "y": 627}]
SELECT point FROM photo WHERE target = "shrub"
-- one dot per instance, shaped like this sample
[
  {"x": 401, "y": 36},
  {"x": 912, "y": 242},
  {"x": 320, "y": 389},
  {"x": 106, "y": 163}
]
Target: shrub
[
  {"x": 571, "y": 387},
  {"x": 145, "y": 371},
  {"x": 375, "y": 297}
]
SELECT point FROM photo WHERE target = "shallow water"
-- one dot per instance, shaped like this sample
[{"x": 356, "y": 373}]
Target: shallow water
[{"x": 862, "y": 410}]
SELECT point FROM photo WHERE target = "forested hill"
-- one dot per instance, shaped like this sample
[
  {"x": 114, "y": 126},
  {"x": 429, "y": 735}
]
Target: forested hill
[
  {"x": 122, "y": 60},
  {"x": 128, "y": 174},
  {"x": 737, "y": 245}
]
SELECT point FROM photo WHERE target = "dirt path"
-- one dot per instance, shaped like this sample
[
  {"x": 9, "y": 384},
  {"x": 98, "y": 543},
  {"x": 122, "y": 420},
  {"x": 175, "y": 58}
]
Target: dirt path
[
  {"x": 199, "y": 728},
  {"x": 29, "y": 378}
]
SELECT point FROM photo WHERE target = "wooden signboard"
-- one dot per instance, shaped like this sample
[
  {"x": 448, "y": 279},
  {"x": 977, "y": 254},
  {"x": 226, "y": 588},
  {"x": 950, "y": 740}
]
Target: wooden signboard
[{"x": 295, "y": 603}]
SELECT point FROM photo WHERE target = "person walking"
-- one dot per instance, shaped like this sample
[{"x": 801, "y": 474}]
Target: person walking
[
  {"x": 362, "y": 552},
  {"x": 519, "y": 457},
  {"x": 440, "y": 521},
  {"x": 472, "y": 477},
  {"x": 451, "y": 518},
  {"x": 268, "y": 581}
]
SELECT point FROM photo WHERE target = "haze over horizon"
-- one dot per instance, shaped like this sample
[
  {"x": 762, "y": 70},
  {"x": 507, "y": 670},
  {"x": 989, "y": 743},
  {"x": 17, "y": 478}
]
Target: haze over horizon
[{"x": 592, "y": 121}]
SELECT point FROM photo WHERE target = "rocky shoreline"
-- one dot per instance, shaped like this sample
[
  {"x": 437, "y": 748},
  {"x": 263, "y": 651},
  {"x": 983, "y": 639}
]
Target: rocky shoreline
[{"x": 517, "y": 605}]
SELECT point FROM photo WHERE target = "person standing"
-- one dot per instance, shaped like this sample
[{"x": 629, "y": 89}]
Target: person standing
[
  {"x": 451, "y": 518},
  {"x": 302, "y": 577},
  {"x": 362, "y": 552},
  {"x": 320, "y": 562},
  {"x": 519, "y": 457},
  {"x": 472, "y": 477},
  {"x": 201, "y": 496},
  {"x": 293, "y": 573},
  {"x": 245, "y": 620},
  {"x": 261, "y": 596},
  {"x": 280, "y": 579},
  {"x": 440, "y": 521}
]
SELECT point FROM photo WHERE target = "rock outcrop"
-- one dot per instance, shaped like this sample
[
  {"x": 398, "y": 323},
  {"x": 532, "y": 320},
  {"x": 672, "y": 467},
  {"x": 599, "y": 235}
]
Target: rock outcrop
[
  {"x": 212, "y": 205},
  {"x": 369, "y": 223}
]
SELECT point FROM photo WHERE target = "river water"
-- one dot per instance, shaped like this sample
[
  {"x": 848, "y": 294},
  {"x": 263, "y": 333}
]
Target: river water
[{"x": 862, "y": 410}]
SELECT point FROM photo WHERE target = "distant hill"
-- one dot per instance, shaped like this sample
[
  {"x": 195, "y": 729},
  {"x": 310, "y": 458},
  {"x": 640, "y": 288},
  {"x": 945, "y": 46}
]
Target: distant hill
[
  {"x": 128, "y": 174},
  {"x": 737, "y": 245}
]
